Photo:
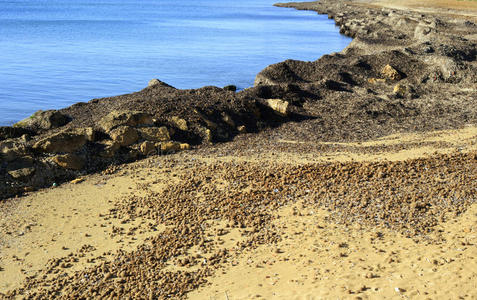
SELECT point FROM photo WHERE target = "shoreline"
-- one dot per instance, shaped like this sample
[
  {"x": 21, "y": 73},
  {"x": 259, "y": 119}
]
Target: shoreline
[
  {"x": 234, "y": 56},
  {"x": 350, "y": 176}
]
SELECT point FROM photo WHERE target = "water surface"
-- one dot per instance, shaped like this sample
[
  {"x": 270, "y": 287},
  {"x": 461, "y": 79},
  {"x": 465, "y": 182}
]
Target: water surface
[{"x": 54, "y": 53}]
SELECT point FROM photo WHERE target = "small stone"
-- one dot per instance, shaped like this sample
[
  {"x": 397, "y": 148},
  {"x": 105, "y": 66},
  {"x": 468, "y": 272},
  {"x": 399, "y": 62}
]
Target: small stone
[
  {"x": 242, "y": 129},
  {"x": 185, "y": 146},
  {"x": 400, "y": 89},
  {"x": 399, "y": 290},
  {"x": 77, "y": 180}
]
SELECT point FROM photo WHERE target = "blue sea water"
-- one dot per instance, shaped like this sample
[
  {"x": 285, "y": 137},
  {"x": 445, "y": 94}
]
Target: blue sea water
[{"x": 54, "y": 53}]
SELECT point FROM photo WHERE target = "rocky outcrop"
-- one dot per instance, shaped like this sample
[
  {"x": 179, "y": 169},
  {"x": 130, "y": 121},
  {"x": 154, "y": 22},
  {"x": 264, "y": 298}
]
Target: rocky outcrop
[{"x": 44, "y": 120}]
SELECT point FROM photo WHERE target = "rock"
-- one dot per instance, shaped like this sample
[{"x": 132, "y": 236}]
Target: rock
[
  {"x": 242, "y": 129},
  {"x": 69, "y": 161},
  {"x": 148, "y": 148},
  {"x": 400, "y": 89},
  {"x": 23, "y": 173},
  {"x": 11, "y": 149},
  {"x": 89, "y": 132},
  {"x": 153, "y": 82},
  {"x": 61, "y": 142},
  {"x": 376, "y": 80},
  {"x": 109, "y": 149},
  {"x": 169, "y": 147},
  {"x": 230, "y": 87},
  {"x": 208, "y": 136},
  {"x": 184, "y": 146},
  {"x": 391, "y": 73},
  {"x": 279, "y": 106},
  {"x": 155, "y": 134},
  {"x": 77, "y": 180},
  {"x": 118, "y": 118},
  {"x": 156, "y": 82},
  {"x": 44, "y": 120},
  {"x": 124, "y": 135},
  {"x": 7, "y": 132}
]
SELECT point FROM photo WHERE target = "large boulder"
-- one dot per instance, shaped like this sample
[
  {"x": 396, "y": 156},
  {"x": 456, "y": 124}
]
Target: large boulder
[
  {"x": 69, "y": 161},
  {"x": 44, "y": 120},
  {"x": 118, "y": 118},
  {"x": 279, "y": 106},
  {"x": 155, "y": 134},
  {"x": 124, "y": 135},
  {"x": 62, "y": 142}
]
